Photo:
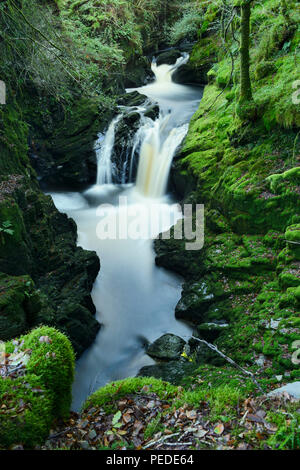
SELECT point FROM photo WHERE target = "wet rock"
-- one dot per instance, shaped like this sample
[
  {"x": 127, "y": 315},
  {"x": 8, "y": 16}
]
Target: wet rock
[
  {"x": 62, "y": 142},
  {"x": 133, "y": 98},
  {"x": 152, "y": 112},
  {"x": 195, "y": 301},
  {"x": 49, "y": 261},
  {"x": 211, "y": 331},
  {"x": 168, "y": 57},
  {"x": 172, "y": 371},
  {"x": 188, "y": 74},
  {"x": 167, "y": 347}
]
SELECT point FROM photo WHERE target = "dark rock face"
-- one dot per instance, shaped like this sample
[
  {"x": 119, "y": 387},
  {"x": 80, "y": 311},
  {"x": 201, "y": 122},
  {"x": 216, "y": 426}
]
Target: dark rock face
[
  {"x": 173, "y": 371},
  {"x": 194, "y": 302},
  {"x": 210, "y": 331},
  {"x": 167, "y": 347},
  {"x": 41, "y": 253},
  {"x": 126, "y": 130},
  {"x": 62, "y": 142},
  {"x": 188, "y": 74},
  {"x": 168, "y": 57}
]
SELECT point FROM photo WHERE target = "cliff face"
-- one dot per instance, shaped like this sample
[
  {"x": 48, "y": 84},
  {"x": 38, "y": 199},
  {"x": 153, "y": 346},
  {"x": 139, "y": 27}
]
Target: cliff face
[
  {"x": 45, "y": 278},
  {"x": 247, "y": 175},
  {"x": 69, "y": 65}
]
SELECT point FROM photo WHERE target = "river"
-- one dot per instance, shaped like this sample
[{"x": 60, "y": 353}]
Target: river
[{"x": 135, "y": 300}]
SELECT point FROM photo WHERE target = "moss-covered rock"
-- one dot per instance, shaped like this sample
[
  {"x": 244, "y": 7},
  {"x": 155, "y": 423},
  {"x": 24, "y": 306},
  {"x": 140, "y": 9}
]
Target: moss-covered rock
[
  {"x": 39, "y": 242},
  {"x": 43, "y": 391}
]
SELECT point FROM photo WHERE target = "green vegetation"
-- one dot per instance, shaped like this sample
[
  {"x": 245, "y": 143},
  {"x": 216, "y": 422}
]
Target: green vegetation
[
  {"x": 42, "y": 392},
  {"x": 64, "y": 63}
]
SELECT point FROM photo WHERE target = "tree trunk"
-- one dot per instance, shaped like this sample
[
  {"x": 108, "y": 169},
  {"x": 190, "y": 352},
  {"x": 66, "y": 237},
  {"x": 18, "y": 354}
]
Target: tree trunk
[{"x": 246, "y": 90}]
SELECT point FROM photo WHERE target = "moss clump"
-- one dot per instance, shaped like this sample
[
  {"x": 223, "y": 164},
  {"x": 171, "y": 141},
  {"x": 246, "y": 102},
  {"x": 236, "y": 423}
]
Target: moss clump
[
  {"x": 19, "y": 305},
  {"x": 263, "y": 69},
  {"x": 52, "y": 361},
  {"x": 43, "y": 393},
  {"x": 116, "y": 390},
  {"x": 26, "y": 411}
]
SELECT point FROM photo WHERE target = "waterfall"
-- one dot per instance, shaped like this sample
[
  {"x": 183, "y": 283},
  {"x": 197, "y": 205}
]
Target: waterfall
[
  {"x": 104, "y": 147},
  {"x": 162, "y": 139},
  {"x": 155, "y": 143}
]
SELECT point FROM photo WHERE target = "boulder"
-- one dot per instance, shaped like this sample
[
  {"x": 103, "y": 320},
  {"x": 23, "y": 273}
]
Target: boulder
[
  {"x": 195, "y": 301},
  {"x": 173, "y": 371},
  {"x": 168, "y": 57},
  {"x": 210, "y": 331},
  {"x": 167, "y": 347},
  {"x": 188, "y": 74}
]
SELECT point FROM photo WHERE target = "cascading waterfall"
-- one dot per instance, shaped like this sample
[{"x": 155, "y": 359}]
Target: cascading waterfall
[
  {"x": 104, "y": 147},
  {"x": 157, "y": 140},
  {"x": 135, "y": 300}
]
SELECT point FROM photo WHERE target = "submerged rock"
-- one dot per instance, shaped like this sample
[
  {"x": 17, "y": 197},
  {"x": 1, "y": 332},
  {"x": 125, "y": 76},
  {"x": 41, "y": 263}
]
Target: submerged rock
[{"x": 167, "y": 347}]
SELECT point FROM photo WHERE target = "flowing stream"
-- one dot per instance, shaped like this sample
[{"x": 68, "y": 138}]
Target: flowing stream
[{"x": 135, "y": 300}]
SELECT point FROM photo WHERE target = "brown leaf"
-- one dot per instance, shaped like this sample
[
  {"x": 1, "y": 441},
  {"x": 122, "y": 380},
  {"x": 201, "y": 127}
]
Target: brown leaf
[
  {"x": 126, "y": 418},
  {"x": 254, "y": 418}
]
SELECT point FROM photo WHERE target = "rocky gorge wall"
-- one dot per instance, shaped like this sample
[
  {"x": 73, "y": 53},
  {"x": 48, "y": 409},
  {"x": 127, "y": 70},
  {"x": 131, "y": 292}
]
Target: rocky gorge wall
[{"x": 241, "y": 290}]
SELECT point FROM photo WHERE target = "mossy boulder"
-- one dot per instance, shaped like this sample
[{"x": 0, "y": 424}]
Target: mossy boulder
[
  {"x": 38, "y": 243},
  {"x": 173, "y": 371},
  {"x": 43, "y": 392},
  {"x": 116, "y": 390},
  {"x": 20, "y": 304},
  {"x": 167, "y": 347},
  {"x": 264, "y": 68}
]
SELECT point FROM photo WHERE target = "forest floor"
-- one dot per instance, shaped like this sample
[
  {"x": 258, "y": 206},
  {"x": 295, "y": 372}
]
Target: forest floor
[{"x": 145, "y": 421}]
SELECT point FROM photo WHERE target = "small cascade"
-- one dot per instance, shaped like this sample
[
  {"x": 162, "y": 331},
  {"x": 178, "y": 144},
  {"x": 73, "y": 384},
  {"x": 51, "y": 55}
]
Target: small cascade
[
  {"x": 156, "y": 158},
  {"x": 163, "y": 73},
  {"x": 149, "y": 154},
  {"x": 104, "y": 147},
  {"x": 164, "y": 136}
]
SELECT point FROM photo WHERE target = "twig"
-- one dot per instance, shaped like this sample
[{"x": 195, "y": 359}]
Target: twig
[
  {"x": 176, "y": 444},
  {"x": 244, "y": 417},
  {"x": 231, "y": 361},
  {"x": 57, "y": 434},
  {"x": 294, "y": 243},
  {"x": 162, "y": 439}
]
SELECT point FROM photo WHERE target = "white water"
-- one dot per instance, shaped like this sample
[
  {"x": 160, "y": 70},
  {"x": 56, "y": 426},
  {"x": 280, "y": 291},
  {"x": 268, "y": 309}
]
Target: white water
[
  {"x": 135, "y": 300},
  {"x": 104, "y": 147}
]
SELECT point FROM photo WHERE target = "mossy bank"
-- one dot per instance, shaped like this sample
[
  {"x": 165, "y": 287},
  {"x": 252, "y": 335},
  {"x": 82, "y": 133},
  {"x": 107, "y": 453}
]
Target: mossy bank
[{"x": 247, "y": 175}]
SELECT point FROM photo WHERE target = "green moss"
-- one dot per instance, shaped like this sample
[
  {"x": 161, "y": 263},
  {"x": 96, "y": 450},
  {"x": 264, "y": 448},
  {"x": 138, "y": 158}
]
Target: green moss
[
  {"x": 19, "y": 304},
  {"x": 26, "y": 412},
  {"x": 33, "y": 401},
  {"x": 53, "y": 363},
  {"x": 116, "y": 390}
]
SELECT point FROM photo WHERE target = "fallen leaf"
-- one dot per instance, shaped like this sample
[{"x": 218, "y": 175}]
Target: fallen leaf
[{"x": 219, "y": 429}]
